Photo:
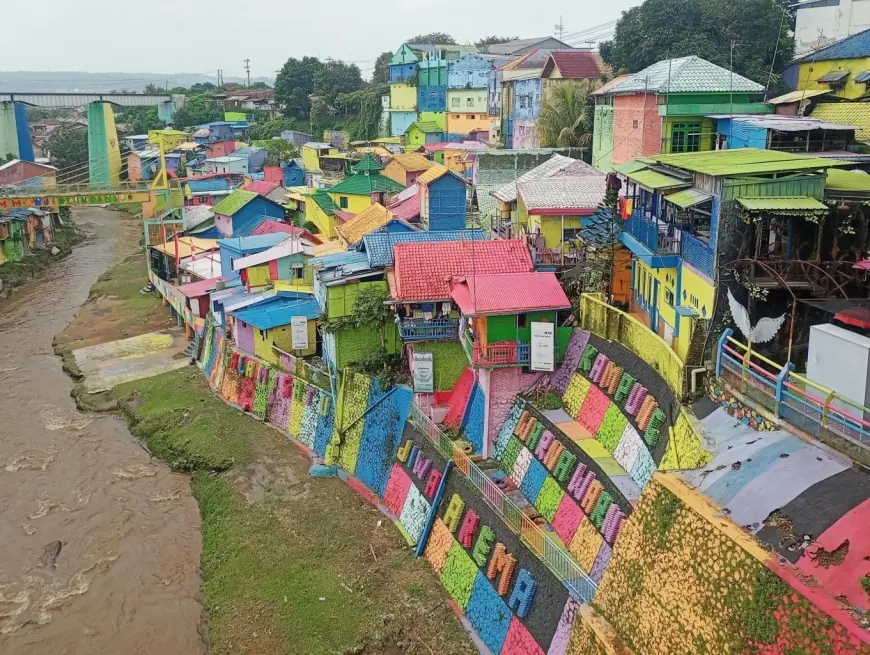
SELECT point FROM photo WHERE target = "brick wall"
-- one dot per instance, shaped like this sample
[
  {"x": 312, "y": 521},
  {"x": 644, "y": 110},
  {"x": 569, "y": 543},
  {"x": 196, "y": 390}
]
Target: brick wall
[{"x": 637, "y": 127}]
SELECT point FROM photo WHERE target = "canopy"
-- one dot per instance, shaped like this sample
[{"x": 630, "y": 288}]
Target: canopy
[
  {"x": 783, "y": 203},
  {"x": 688, "y": 198},
  {"x": 656, "y": 181}
]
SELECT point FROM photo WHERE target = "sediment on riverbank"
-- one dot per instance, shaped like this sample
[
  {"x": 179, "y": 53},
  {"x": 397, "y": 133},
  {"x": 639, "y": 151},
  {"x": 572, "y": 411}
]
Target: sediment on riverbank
[{"x": 14, "y": 274}]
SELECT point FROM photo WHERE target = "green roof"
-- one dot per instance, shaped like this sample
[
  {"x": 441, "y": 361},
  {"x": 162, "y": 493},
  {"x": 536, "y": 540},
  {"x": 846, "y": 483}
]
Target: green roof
[
  {"x": 688, "y": 198},
  {"x": 233, "y": 202},
  {"x": 744, "y": 161},
  {"x": 365, "y": 184},
  {"x": 367, "y": 163},
  {"x": 847, "y": 181},
  {"x": 324, "y": 202},
  {"x": 655, "y": 181},
  {"x": 783, "y": 203},
  {"x": 426, "y": 127},
  {"x": 630, "y": 167}
]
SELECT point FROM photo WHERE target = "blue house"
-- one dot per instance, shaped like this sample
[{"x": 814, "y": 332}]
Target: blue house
[
  {"x": 294, "y": 174},
  {"x": 238, "y": 247},
  {"x": 468, "y": 72},
  {"x": 431, "y": 98},
  {"x": 255, "y": 155},
  {"x": 235, "y": 212},
  {"x": 442, "y": 199},
  {"x": 400, "y": 121}
]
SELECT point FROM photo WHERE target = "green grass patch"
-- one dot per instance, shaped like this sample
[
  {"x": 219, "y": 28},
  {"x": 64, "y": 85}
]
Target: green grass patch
[{"x": 123, "y": 282}]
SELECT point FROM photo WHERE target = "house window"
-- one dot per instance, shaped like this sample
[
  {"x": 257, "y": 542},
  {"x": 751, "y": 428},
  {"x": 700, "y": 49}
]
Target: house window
[
  {"x": 686, "y": 137},
  {"x": 669, "y": 297},
  {"x": 522, "y": 321},
  {"x": 342, "y": 202},
  {"x": 471, "y": 117},
  {"x": 469, "y": 102},
  {"x": 456, "y": 117},
  {"x": 634, "y": 124},
  {"x": 454, "y": 102}
]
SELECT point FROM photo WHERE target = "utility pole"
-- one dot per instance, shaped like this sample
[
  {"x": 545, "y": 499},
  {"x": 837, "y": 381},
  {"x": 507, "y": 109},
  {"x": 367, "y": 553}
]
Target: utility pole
[
  {"x": 560, "y": 27},
  {"x": 248, "y": 69},
  {"x": 220, "y": 76}
]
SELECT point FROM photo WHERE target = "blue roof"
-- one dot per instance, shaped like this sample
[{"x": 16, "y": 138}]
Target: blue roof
[
  {"x": 340, "y": 265},
  {"x": 217, "y": 184},
  {"x": 856, "y": 46},
  {"x": 261, "y": 241},
  {"x": 379, "y": 245},
  {"x": 245, "y": 151},
  {"x": 278, "y": 311}
]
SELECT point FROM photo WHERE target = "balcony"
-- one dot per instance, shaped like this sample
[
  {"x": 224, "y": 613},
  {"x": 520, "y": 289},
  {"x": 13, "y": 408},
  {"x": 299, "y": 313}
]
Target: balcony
[
  {"x": 434, "y": 330},
  {"x": 698, "y": 253},
  {"x": 502, "y": 353},
  {"x": 657, "y": 243}
]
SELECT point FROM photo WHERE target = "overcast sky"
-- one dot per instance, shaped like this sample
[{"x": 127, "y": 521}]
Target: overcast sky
[{"x": 200, "y": 36}]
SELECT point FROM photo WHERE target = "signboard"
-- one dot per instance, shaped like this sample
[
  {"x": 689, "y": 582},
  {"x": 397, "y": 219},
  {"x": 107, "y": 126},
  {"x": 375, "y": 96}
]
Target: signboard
[
  {"x": 424, "y": 373},
  {"x": 299, "y": 332},
  {"x": 543, "y": 353},
  {"x": 56, "y": 201}
]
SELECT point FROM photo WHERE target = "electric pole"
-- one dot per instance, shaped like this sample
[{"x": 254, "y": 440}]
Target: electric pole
[
  {"x": 248, "y": 69},
  {"x": 560, "y": 27},
  {"x": 220, "y": 77}
]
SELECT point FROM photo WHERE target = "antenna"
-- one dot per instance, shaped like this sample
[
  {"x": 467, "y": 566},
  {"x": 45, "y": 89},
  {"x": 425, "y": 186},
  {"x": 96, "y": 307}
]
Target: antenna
[
  {"x": 248, "y": 69},
  {"x": 560, "y": 28}
]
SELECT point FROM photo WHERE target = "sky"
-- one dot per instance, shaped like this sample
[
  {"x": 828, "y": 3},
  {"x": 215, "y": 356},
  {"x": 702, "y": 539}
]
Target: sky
[{"x": 158, "y": 35}]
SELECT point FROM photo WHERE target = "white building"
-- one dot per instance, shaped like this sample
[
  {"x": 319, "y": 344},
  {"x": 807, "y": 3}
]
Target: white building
[{"x": 822, "y": 22}]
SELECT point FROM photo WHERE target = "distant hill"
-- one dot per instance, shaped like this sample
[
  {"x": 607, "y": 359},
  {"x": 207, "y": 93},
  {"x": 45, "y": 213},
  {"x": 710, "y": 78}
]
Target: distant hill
[{"x": 68, "y": 81}]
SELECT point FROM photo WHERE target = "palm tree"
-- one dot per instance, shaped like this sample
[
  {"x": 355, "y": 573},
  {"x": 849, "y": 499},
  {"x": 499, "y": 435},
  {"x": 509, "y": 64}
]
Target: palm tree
[{"x": 566, "y": 116}]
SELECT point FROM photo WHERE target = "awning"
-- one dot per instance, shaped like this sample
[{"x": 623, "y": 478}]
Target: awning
[
  {"x": 630, "y": 167},
  {"x": 833, "y": 77},
  {"x": 688, "y": 198},
  {"x": 783, "y": 203},
  {"x": 656, "y": 181},
  {"x": 796, "y": 96},
  {"x": 863, "y": 77},
  {"x": 839, "y": 180}
]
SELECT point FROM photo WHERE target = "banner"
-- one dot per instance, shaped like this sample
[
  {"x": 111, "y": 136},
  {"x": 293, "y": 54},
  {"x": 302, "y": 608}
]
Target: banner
[
  {"x": 299, "y": 332},
  {"x": 543, "y": 350},
  {"x": 424, "y": 373}
]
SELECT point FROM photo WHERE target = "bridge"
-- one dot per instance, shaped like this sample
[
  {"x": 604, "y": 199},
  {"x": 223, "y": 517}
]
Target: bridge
[{"x": 104, "y": 153}]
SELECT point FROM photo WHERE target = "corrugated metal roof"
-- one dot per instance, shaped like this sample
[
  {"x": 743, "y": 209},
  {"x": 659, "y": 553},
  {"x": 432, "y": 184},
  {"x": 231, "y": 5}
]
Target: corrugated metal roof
[
  {"x": 379, "y": 245},
  {"x": 556, "y": 165},
  {"x": 318, "y": 145},
  {"x": 655, "y": 181},
  {"x": 200, "y": 186},
  {"x": 630, "y": 167},
  {"x": 291, "y": 245},
  {"x": 407, "y": 209},
  {"x": 688, "y": 198},
  {"x": 741, "y": 161},
  {"x": 832, "y": 77},
  {"x": 782, "y": 123},
  {"x": 426, "y": 127},
  {"x": 612, "y": 84},
  {"x": 686, "y": 75},
  {"x": 186, "y": 246},
  {"x": 261, "y": 187},
  {"x": 459, "y": 145},
  {"x": 796, "y": 96},
  {"x": 200, "y": 288},
  {"x": 368, "y": 220},
  {"x": 508, "y": 293},
  {"x": 423, "y": 270},
  {"x": 334, "y": 268},
  {"x": 367, "y": 163},
  {"x": 847, "y": 181},
  {"x": 271, "y": 226},
  {"x": 792, "y": 203},
  {"x": 233, "y": 202},
  {"x": 856, "y": 46},
  {"x": 571, "y": 194},
  {"x": 244, "y": 244},
  {"x": 277, "y": 311},
  {"x": 856, "y": 114}
]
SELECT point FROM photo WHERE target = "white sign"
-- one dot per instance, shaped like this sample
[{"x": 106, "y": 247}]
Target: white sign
[
  {"x": 543, "y": 351},
  {"x": 424, "y": 373},
  {"x": 299, "y": 332}
]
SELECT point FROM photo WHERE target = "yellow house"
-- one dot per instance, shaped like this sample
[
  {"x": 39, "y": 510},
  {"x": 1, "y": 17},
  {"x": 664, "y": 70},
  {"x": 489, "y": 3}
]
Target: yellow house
[
  {"x": 403, "y": 97},
  {"x": 320, "y": 211},
  {"x": 405, "y": 169},
  {"x": 313, "y": 151},
  {"x": 467, "y": 123},
  {"x": 842, "y": 69},
  {"x": 364, "y": 188},
  {"x": 559, "y": 208}
]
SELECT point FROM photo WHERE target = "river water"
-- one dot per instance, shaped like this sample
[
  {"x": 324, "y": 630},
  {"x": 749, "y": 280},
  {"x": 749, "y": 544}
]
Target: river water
[{"x": 127, "y": 577}]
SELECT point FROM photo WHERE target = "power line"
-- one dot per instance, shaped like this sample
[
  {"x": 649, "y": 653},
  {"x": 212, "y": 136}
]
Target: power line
[{"x": 588, "y": 30}]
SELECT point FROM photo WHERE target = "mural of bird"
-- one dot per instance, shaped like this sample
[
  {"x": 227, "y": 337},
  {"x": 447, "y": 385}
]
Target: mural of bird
[{"x": 764, "y": 331}]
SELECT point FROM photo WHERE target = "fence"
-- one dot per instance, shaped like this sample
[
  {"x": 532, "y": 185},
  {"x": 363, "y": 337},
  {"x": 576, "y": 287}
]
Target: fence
[
  {"x": 440, "y": 328},
  {"x": 540, "y": 543},
  {"x": 610, "y": 323},
  {"x": 788, "y": 395}
]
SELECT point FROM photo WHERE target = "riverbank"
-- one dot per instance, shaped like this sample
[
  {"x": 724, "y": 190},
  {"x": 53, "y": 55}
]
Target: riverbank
[
  {"x": 14, "y": 274},
  {"x": 290, "y": 563}
]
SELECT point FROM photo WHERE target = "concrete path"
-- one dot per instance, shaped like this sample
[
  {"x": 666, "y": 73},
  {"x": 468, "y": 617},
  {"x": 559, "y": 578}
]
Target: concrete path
[{"x": 107, "y": 365}]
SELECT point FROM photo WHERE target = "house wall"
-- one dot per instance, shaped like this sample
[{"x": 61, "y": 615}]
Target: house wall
[
  {"x": 637, "y": 127},
  {"x": 258, "y": 276},
  {"x": 466, "y": 122},
  {"x": 602, "y": 138},
  {"x": 741, "y": 135},
  {"x": 446, "y": 204},
  {"x": 221, "y": 149},
  {"x": 324, "y": 222},
  {"x": 432, "y": 73},
  {"x": 431, "y": 98},
  {"x": 527, "y": 98},
  {"x": 245, "y": 337},
  {"x": 30, "y": 174},
  {"x": 397, "y": 173},
  {"x": 650, "y": 285},
  {"x": 707, "y": 132},
  {"x": 448, "y": 361},
  {"x": 818, "y": 26},
  {"x": 809, "y": 72},
  {"x": 283, "y": 338},
  {"x": 437, "y": 117},
  {"x": 350, "y": 202},
  {"x": 310, "y": 159},
  {"x": 401, "y": 73},
  {"x": 525, "y": 134},
  {"x": 400, "y": 121},
  {"x": 468, "y": 72},
  {"x": 493, "y": 94},
  {"x": 468, "y": 101},
  {"x": 403, "y": 97}
]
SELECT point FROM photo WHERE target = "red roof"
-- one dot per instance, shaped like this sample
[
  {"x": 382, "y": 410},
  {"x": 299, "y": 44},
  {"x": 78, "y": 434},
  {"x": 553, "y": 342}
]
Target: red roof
[
  {"x": 423, "y": 270},
  {"x": 273, "y": 227},
  {"x": 407, "y": 209},
  {"x": 201, "y": 288},
  {"x": 576, "y": 64},
  {"x": 343, "y": 216},
  {"x": 508, "y": 293},
  {"x": 261, "y": 187}
]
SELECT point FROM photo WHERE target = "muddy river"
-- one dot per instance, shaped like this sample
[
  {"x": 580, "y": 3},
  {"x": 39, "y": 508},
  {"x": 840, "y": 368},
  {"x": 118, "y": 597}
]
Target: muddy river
[{"x": 126, "y": 577}]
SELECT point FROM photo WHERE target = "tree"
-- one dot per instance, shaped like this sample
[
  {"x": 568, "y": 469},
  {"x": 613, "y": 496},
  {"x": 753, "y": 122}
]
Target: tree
[
  {"x": 318, "y": 117},
  {"x": 203, "y": 86},
  {"x": 381, "y": 74},
  {"x": 198, "y": 110},
  {"x": 294, "y": 83},
  {"x": 487, "y": 41},
  {"x": 336, "y": 77},
  {"x": 181, "y": 170},
  {"x": 270, "y": 129},
  {"x": 153, "y": 89},
  {"x": 139, "y": 120},
  {"x": 566, "y": 116},
  {"x": 648, "y": 33},
  {"x": 433, "y": 38},
  {"x": 278, "y": 151},
  {"x": 68, "y": 148}
]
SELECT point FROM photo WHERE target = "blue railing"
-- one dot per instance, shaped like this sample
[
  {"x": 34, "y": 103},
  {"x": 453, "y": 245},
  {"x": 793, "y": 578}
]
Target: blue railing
[
  {"x": 436, "y": 329},
  {"x": 698, "y": 254},
  {"x": 523, "y": 352},
  {"x": 658, "y": 237}
]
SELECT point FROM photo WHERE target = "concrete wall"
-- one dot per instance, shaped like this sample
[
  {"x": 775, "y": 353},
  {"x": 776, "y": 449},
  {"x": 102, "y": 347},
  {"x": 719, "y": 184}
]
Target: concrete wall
[
  {"x": 104, "y": 155},
  {"x": 637, "y": 127},
  {"x": 467, "y": 101}
]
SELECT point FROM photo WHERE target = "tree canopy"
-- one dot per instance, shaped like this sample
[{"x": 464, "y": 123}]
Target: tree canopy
[
  {"x": 198, "y": 110},
  {"x": 649, "y": 33},
  {"x": 335, "y": 77},
  {"x": 566, "y": 116},
  {"x": 277, "y": 151},
  {"x": 487, "y": 41},
  {"x": 381, "y": 74},
  {"x": 294, "y": 83},
  {"x": 434, "y": 38},
  {"x": 68, "y": 147},
  {"x": 270, "y": 129}
]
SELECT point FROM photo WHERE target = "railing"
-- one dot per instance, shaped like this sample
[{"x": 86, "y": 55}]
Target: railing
[
  {"x": 539, "y": 542},
  {"x": 610, "y": 323},
  {"x": 436, "y": 329},
  {"x": 494, "y": 354},
  {"x": 659, "y": 237},
  {"x": 698, "y": 254},
  {"x": 75, "y": 189},
  {"x": 791, "y": 396}
]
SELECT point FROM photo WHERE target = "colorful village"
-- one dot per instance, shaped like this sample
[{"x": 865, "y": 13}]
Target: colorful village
[{"x": 615, "y": 393}]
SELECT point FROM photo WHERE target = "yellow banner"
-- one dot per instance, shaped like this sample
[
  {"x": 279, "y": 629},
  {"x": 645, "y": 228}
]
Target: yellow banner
[{"x": 57, "y": 201}]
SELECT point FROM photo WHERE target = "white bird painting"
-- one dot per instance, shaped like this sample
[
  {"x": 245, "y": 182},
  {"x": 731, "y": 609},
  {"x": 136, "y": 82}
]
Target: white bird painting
[{"x": 766, "y": 328}]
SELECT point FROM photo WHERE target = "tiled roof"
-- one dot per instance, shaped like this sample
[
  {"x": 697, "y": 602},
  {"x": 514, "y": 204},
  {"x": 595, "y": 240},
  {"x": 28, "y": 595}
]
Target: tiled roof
[
  {"x": 413, "y": 161},
  {"x": 271, "y": 226},
  {"x": 426, "y": 127},
  {"x": 367, "y": 163},
  {"x": 612, "y": 84},
  {"x": 365, "y": 184},
  {"x": 856, "y": 46},
  {"x": 557, "y": 165},
  {"x": 575, "y": 64},
  {"x": 234, "y": 202},
  {"x": 201, "y": 186},
  {"x": 508, "y": 293},
  {"x": 407, "y": 209},
  {"x": 261, "y": 188},
  {"x": 368, "y": 220},
  {"x": 436, "y": 172},
  {"x": 324, "y": 202},
  {"x": 423, "y": 270},
  {"x": 580, "y": 194},
  {"x": 849, "y": 113},
  {"x": 379, "y": 245},
  {"x": 686, "y": 75}
]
